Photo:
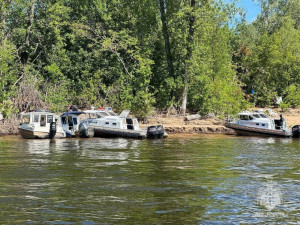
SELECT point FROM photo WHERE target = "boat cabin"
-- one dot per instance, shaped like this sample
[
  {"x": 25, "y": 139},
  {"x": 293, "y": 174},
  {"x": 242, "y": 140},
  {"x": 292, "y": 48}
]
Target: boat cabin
[
  {"x": 106, "y": 117},
  {"x": 255, "y": 119},
  {"x": 40, "y": 119},
  {"x": 70, "y": 122},
  {"x": 40, "y": 124}
]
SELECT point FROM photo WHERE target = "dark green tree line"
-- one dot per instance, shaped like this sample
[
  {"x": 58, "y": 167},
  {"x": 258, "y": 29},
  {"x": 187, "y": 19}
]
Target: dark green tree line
[{"x": 143, "y": 54}]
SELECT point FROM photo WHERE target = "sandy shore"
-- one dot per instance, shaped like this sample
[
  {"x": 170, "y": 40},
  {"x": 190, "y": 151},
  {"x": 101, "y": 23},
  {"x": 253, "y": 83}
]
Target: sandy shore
[{"x": 176, "y": 124}]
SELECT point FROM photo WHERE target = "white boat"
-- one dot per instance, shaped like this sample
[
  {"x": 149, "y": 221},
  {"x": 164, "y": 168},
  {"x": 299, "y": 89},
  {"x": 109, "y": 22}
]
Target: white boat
[
  {"x": 107, "y": 123},
  {"x": 72, "y": 125},
  {"x": 41, "y": 124},
  {"x": 257, "y": 123}
]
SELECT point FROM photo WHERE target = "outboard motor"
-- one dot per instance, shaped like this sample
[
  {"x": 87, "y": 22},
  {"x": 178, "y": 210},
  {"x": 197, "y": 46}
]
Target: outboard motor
[
  {"x": 155, "y": 131},
  {"x": 296, "y": 131},
  {"x": 52, "y": 130},
  {"x": 85, "y": 131},
  {"x": 160, "y": 131}
]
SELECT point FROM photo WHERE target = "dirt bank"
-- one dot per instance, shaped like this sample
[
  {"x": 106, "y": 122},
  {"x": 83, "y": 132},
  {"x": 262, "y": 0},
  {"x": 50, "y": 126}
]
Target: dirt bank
[{"x": 176, "y": 124}]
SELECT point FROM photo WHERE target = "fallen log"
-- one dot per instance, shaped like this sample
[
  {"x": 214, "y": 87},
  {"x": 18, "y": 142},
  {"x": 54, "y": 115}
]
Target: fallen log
[{"x": 192, "y": 117}]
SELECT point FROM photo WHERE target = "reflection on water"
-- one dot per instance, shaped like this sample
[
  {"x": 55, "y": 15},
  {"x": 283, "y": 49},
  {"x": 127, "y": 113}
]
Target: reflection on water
[{"x": 208, "y": 179}]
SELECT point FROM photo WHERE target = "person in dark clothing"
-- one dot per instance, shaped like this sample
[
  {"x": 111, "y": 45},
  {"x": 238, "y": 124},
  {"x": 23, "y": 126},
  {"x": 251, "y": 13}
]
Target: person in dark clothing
[
  {"x": 282, "y": 120},
  {"x": 73, "y": 108}
]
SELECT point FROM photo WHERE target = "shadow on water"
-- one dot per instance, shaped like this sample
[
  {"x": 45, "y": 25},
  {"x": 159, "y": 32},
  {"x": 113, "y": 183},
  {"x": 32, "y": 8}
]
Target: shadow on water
[{"x": 206, "y": 179}]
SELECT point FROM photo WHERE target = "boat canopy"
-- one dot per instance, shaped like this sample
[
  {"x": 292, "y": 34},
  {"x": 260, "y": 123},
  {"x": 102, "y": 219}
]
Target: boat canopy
[{"x": 72, "y": 112}]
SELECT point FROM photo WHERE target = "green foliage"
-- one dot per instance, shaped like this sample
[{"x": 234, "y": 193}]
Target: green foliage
[
  {"x": 7, "y": 108},
  {"x": 113, "y": 53},
  {"x": 8, "y": 76},
  {"x": 214, "y": 86},
  {"x": 284, "y": 106},
  {"x": 8, "y": 69},
  {"x": 292, "y": 95},
  {"x": 271, "y": 62}
]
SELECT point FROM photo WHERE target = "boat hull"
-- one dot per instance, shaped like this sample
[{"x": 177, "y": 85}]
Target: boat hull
[
  {"x": 253, "y": 131},
  {"x": 115, "y": 132},
  {"x": 30, "y": 134}
]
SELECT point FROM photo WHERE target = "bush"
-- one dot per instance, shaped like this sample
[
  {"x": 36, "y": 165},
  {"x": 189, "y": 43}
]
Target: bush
[
  {"x": 284, "y": 106},
  {"x": 292, "y": 95}
]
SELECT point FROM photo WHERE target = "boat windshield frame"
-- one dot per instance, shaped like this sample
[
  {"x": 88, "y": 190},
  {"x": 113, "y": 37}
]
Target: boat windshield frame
[
  {"x": 111, "y": 113},
  {"x": 103, "y": 114},
  {"x": 263, "y": 116},
  {"x": 256, "y": 115}
]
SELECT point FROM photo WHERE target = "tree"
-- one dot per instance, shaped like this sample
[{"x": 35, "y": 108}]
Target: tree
[
  {"x": 189, "y": 53},
  {"x": 8, "y": 75},
  {"x": 162, "y": 7}
]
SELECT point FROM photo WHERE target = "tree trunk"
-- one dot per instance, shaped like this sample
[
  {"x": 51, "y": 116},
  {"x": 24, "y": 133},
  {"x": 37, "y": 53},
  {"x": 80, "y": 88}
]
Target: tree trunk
[
  {"x": 188, "y": 57},
  {"x": 162, "y": 4},
  {"x": 184, "y": 98},
  {"x": 30, "y": 22}
]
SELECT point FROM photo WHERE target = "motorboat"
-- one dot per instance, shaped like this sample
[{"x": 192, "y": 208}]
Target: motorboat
[
  {"x": 258, "y": 123},
  {"x": 70, "y": 123},
  {"x": 107, "y": 123},
  {"x": 41, "y": 124}
]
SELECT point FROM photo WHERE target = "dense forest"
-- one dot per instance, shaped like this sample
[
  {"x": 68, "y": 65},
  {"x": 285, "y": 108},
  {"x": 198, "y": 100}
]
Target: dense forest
[{"x": 189, "y": 55}]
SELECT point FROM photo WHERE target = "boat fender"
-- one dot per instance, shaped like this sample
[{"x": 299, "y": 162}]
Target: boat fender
[{"x": 52, "y": 131}]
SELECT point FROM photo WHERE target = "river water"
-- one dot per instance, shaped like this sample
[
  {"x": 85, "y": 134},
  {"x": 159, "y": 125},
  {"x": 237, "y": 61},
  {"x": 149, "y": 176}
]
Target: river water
[{"x": 200, "y": 179}]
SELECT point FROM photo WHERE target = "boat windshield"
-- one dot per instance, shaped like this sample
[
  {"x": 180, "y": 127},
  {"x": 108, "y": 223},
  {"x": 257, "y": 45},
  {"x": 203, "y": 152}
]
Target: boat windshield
[
  {"x": 112, "y": 113},
  {"x": 103, "y": 114},
  {"x": 263, "y": 116},
  {"x": 92, "y": 116},
  {"x": 244, "y": 117},
  {"x": 26, "y": 119},
  {"x": 256, "y": 116}
]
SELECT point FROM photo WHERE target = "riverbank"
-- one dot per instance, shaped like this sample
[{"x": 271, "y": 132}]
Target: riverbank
[{"x": 175, "y": 124}]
